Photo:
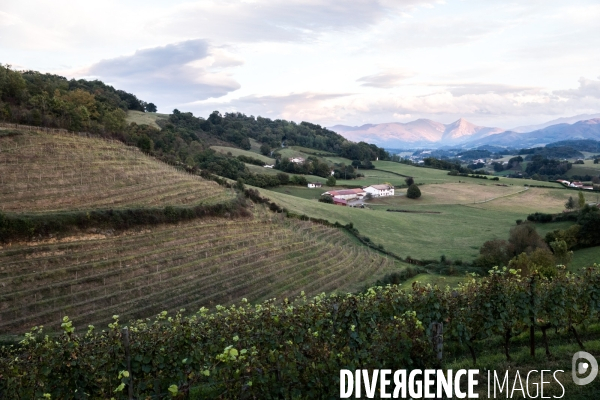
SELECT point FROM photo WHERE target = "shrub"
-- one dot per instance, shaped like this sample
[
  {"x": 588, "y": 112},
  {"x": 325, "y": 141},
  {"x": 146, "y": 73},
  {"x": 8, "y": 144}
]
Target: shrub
[
  {"x": 326, "y": 199},
  {"x": 413, "y": 192}
]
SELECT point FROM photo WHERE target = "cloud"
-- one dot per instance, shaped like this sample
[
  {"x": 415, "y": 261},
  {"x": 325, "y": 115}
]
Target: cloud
[
  {"x": 587, "y": 88},
  {"x": 179, "y": 72},
  {"x": 385, "y": 80},
  {"x": 305, "y": 106},
  {"x": 488, "y": 88},
  {"x": 276, "y": 21}
]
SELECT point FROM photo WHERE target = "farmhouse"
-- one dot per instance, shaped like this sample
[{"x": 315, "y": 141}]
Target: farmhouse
[
  {"x": 346, "y": 194},
  {"x": 268, "y": 166},
  {"x": 315, "y": 185},
  {"x": 340, "y": 202},
  {"x": 380, "y": 190},
  {"x": 297, "y": 160}
]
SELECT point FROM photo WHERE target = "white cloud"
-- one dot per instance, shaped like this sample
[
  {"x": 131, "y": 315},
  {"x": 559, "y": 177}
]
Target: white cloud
[
  {"x": 276, "y": 21},
  {"x": 587, "y": 88},
  {"x": 179, "y": 72},
  {"x": 385, "y": 79}
]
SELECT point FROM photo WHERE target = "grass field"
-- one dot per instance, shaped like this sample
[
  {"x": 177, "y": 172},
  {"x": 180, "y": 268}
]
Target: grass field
[
  {"x": 302, "y": 191},
  {"x": 430, "y": 175},
  {"x": 588, "y": 168},
  {"x": 457, "y": 231},
  {"x": 145, "y": 118},
  {"x": 43, "y": 172},
  {"x": 239, "y": 152},
  {"x": 203, "y": 263},
  {"x": 585, "y": 258},
  {"x": 449, "y": 193}
]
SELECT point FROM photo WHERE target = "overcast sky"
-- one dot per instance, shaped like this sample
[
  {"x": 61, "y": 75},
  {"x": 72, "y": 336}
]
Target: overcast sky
[{"x": 495, "y": 63}]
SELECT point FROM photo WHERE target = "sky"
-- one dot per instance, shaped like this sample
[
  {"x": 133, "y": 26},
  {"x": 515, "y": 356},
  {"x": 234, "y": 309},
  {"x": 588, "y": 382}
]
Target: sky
[{"x": 495, "y": 63}]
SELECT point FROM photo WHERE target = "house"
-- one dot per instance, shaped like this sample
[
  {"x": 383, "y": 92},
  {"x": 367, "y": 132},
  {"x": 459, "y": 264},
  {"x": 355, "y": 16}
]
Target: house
[
  {"x": 576, "y": 184},
  {"x": 340, "y": 202},
  {"x": 268, "y": 166},
  {"x": 380, "y": 190},
  {"x": 314, "y": 185},
  {"x": 562, "y": 181},
  {"x": 297, "y": 160},
  {"x": 346, "y": 194}
]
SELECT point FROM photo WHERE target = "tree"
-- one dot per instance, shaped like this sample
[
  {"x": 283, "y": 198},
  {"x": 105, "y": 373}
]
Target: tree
[
  {"x": 494, "y": 253},
  {"x": 525, "y": 239},
  {"x": 369, "y": 196},
  {"x": 561, "y": 252},
  {"x": 409, "y": 181},
  {"x": 284, "y": 178},
  {"x": 265, "y": 149},
  {"x": 570, "y": 204},
  {"x": 413, "y": 192},
  {"x": 151, "y": 107},
  {"x": 540, "y": 260},
  {"x": 331, "y": 181},
  {"x": 581, "y": 200}
]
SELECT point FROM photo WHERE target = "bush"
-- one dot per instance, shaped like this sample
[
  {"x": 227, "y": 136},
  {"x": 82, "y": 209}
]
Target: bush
[
  {"x": 326, "y": 199},
  {"x": 413, "y": 192},
  {"x": 331, "y": 181}
]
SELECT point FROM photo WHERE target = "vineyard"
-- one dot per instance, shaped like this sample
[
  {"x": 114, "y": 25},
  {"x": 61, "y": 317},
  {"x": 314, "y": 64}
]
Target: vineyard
[
  {"x": 294, "y": 349},
  {"x": 202, "y": 263},
  {"x": 42, "y": 172}
]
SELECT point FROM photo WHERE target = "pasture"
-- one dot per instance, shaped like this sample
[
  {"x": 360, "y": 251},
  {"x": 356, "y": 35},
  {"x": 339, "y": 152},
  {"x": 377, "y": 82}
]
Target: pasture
[
  {"x": 139, "y": 273},
  {"x": 239, "y": 152},
  {"x": 430, "y": 175},
  {"x": 585, "y": 258},
  {"x": 448, "y": 223},
  {"x": 145, "y": 118},
  {"x": 588, "y": 168},
  {"x": 41, "y": 172}
]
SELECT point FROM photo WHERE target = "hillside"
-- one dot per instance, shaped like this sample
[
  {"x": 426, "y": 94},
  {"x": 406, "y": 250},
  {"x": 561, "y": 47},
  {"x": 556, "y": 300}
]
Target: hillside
[
  {"x": 51, "y": 172},
  {"x": 136, "y": 274}
]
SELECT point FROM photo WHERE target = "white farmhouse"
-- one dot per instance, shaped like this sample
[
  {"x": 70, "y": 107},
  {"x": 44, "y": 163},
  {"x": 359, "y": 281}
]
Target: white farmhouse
[
  {"x": 315, "y": 185},
  {"x": 380, "y": 190},
  {"x": 297, "y": 160}
]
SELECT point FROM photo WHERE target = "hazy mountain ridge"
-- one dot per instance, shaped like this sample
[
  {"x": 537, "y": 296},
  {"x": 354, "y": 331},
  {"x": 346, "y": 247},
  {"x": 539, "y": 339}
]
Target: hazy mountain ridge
[
  {"x": 428, "y": 133},
  {"x": 421, "y": 132}
]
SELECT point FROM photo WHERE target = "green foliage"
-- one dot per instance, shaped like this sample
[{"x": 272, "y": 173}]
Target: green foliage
[
  {"x": 265, "y": 149},
  {"x": 18, "y": 227},
  {"x": 540, "y": 261},
  {"x": 540, "y": 217},
  {"x": 331, "y": 181},
  {"x": 546, "y": 166},
  {"x": 251, "y": 160},
  {"x": 570, "y": 204},
  {"x": 326, "y": 199},
  {"x": 581, "y": 199},
  {"x": 413, "y": 192},
  {"x": 292, "y": 348},
  {"x": 32, "y": 98}
]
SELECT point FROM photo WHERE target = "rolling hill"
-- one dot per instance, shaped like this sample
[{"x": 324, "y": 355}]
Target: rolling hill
[
  {"x": 43, "y": 172},
  {"x": 91, "y": 274}
]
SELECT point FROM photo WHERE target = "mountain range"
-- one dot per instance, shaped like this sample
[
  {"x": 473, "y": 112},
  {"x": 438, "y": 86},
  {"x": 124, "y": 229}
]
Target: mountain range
[{"x": 431, "y": 134}]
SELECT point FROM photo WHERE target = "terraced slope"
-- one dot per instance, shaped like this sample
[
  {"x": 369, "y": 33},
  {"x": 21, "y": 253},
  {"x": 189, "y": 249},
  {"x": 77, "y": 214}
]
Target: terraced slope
[
  {"x": 138, "y": 274},
  {"x": 46, "y": 172}
]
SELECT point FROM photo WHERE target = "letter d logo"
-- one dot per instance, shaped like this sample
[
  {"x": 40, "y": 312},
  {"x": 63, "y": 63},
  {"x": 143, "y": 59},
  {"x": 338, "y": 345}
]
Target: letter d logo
[{"x": 584, "y": 367}]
